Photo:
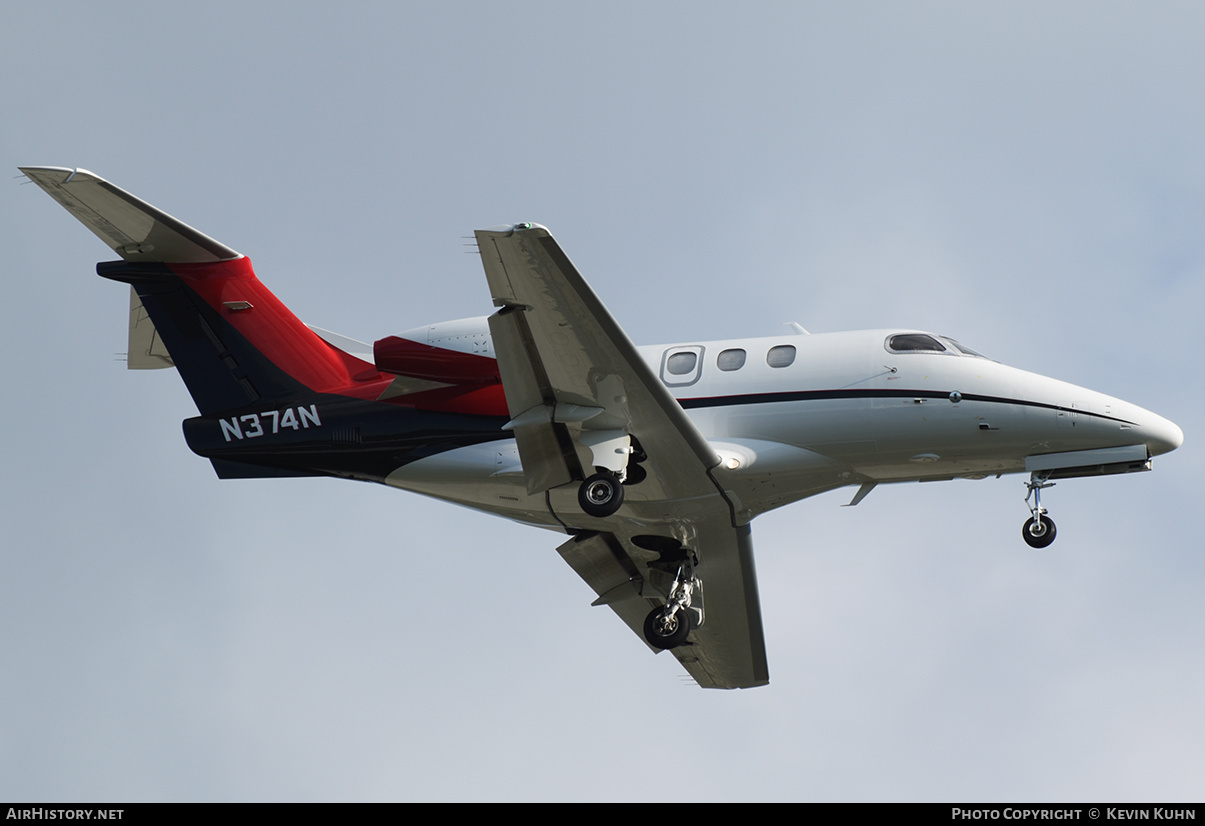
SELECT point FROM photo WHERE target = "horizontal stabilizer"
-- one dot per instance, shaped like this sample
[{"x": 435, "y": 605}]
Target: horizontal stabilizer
[{"x": 134, "y": 229}]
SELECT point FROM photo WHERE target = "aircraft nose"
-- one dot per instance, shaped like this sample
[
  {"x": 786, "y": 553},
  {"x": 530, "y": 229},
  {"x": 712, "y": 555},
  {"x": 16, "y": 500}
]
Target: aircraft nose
[{"x": 1160, "y": 435}]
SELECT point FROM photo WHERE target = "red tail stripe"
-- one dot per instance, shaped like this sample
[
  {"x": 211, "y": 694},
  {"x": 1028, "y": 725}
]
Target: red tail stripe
[{"x": 273, "y": 329}]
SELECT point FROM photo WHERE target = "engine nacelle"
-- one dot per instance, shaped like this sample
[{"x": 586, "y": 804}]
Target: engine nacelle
[{"x": 453, "y": 352}]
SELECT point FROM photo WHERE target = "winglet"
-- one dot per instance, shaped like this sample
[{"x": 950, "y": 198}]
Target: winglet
[{"x": 134, "y": 229}]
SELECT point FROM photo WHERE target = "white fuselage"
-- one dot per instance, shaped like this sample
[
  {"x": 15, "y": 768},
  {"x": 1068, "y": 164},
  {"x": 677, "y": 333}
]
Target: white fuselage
[{"x": 799, "y": 414}]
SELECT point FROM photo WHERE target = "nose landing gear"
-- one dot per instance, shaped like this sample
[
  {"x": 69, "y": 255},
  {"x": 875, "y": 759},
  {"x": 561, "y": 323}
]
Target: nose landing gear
[{"x": 1039, "y": 531}]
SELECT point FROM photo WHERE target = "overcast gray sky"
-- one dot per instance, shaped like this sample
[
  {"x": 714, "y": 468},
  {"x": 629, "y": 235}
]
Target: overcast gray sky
[{"x": 1026, "y": 177}]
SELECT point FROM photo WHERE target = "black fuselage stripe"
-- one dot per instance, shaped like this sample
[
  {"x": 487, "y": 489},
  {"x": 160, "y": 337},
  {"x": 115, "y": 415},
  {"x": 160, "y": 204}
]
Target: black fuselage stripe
[{"x": 831, "y": 395}]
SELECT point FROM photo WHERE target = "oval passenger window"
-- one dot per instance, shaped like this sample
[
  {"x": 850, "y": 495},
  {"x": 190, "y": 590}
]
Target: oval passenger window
[
  {"x": 731, "y": 360},
  {"x": 681, "y": 363},
  {"x": 781, "y": 356}
]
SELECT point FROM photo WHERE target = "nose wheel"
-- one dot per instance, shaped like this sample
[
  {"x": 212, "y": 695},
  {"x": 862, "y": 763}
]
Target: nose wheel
[{"x": 1039, "y": 531}]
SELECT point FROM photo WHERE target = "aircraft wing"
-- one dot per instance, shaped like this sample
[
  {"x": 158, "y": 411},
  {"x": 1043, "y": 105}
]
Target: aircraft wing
[
  {"x": 728, "y": 650},
  {"x": 577, "y": 389},
  {"x": 564, "y": 359}
]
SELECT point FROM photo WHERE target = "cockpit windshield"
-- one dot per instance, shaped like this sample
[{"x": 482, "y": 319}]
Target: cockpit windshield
[
  {"x": 962, "y": 348},
  {"x": 925, "y": 343},
  {"x": 914, "y": 343}
]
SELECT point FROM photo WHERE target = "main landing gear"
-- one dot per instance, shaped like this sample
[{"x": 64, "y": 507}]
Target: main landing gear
[
  {"x": 1039, "y": 530},
  {"x": 667, "y": 627},
  {"x": 601, "y": 494}
]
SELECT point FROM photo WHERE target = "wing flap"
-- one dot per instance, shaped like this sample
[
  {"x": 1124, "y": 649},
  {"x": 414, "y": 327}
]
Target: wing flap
[{"x": 548, "y": 461}]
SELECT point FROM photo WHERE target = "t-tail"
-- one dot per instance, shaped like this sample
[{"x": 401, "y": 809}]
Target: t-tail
[{"x": 275, "y": 397}]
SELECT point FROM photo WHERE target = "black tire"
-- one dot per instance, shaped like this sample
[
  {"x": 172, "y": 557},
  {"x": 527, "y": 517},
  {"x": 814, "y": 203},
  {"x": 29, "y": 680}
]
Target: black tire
[
  {"x": 666, "y": 633},
  {"x": 600, "y": 495},
  {"x": 1041, "y": 534}
]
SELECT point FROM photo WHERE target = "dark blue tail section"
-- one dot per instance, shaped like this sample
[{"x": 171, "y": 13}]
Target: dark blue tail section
[
  {"x": 222, "y": 370},
  {"x": 233, "y": 342}
]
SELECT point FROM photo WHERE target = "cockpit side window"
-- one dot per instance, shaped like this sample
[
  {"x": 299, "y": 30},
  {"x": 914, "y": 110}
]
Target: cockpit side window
[{"x": 914, "y": 343}]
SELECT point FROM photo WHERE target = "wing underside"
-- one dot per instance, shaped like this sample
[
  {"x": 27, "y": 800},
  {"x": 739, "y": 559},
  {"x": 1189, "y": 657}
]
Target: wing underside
[
  {"x": 579, "y": 393},
  {"x": 728, "y": 650}
]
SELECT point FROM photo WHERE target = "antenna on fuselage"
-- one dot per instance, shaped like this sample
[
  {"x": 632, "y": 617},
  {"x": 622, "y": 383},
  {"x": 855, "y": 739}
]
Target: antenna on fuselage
[{"x": 799, "y": 331}]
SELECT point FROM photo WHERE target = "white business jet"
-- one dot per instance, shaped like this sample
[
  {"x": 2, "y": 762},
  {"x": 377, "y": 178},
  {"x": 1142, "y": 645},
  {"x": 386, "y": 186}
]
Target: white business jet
[{"x": 653, "y": 460}]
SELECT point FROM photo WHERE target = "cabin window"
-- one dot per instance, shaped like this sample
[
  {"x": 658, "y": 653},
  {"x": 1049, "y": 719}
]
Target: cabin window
[
  {"x": 781, "y": 356},
  {"x": 730, "y": 360},
  {"x": 679, "y": 364},
  {"x": 914, "y": 343}
]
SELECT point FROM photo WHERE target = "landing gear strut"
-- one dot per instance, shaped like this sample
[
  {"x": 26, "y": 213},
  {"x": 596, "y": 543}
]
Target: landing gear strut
[
  {"x": 1039, "y": 530},
  {"x": 667, "y": 627}
]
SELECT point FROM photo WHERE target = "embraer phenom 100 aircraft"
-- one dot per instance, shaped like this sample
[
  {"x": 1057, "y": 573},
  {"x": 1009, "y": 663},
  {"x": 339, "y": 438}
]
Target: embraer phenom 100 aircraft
[{"x": 653, "y": 460}]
